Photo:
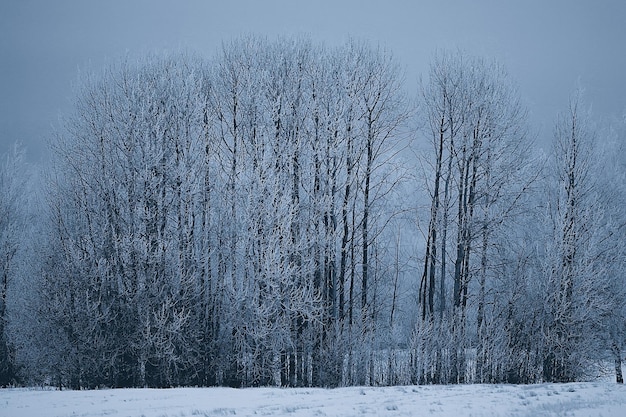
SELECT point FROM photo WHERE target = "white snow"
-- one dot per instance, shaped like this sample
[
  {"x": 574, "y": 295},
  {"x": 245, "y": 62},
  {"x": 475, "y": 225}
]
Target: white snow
[{"x": 576, "y": 399}]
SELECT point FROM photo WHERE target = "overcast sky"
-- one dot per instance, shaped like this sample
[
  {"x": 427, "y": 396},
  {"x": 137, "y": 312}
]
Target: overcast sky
[{"x": 548, "y": 46}]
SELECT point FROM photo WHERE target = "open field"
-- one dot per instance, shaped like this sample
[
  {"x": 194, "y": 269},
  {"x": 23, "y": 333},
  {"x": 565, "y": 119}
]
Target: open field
[{"x": 576, "y": 399}]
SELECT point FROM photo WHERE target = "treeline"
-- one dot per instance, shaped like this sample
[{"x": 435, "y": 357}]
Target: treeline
[{"x": 261, "y": 218}]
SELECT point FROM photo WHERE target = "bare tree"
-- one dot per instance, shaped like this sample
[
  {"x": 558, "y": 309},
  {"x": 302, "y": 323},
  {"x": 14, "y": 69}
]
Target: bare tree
[
  {"x": 573, "y": 215},
  {"x": 13, "y": 181}
]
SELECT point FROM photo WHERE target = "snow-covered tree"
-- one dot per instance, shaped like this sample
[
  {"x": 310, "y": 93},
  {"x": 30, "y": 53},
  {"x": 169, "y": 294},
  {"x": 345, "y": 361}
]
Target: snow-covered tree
[{"x": 13, "y": 188}]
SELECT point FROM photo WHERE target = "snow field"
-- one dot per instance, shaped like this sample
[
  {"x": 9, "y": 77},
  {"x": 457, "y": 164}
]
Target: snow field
[{"x": 576, "y": 400}]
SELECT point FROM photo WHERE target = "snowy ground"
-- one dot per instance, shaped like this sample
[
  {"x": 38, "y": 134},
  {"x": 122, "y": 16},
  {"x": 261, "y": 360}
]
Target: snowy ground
[{"x": 578, "y": 399}]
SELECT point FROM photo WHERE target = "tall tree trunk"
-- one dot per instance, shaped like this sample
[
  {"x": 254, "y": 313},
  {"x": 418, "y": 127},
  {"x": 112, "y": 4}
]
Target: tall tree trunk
[
  {"x": 427, "y": 288},
  {"x": 617, "y": 355},
  {"x": 343, "y": 264},
  {"x": 365, "y": 244}
]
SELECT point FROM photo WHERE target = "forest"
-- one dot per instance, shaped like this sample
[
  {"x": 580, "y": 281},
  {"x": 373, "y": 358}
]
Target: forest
[{"x": 285, "y": 213}]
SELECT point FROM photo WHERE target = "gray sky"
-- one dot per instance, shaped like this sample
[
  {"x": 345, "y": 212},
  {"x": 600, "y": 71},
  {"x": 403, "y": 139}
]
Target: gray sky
[{"x": 548, "y": 46}]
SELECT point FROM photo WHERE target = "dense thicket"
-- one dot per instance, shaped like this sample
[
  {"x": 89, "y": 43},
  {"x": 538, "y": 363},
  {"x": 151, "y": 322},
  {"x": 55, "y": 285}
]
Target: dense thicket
[{"x": 249, "y": 220}]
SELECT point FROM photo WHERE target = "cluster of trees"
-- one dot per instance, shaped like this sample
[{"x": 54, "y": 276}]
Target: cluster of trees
[
  {"x": 217, "y": 223},
  {"x": 515, "y": 283},
  {"x": 251, "y": 220}
]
